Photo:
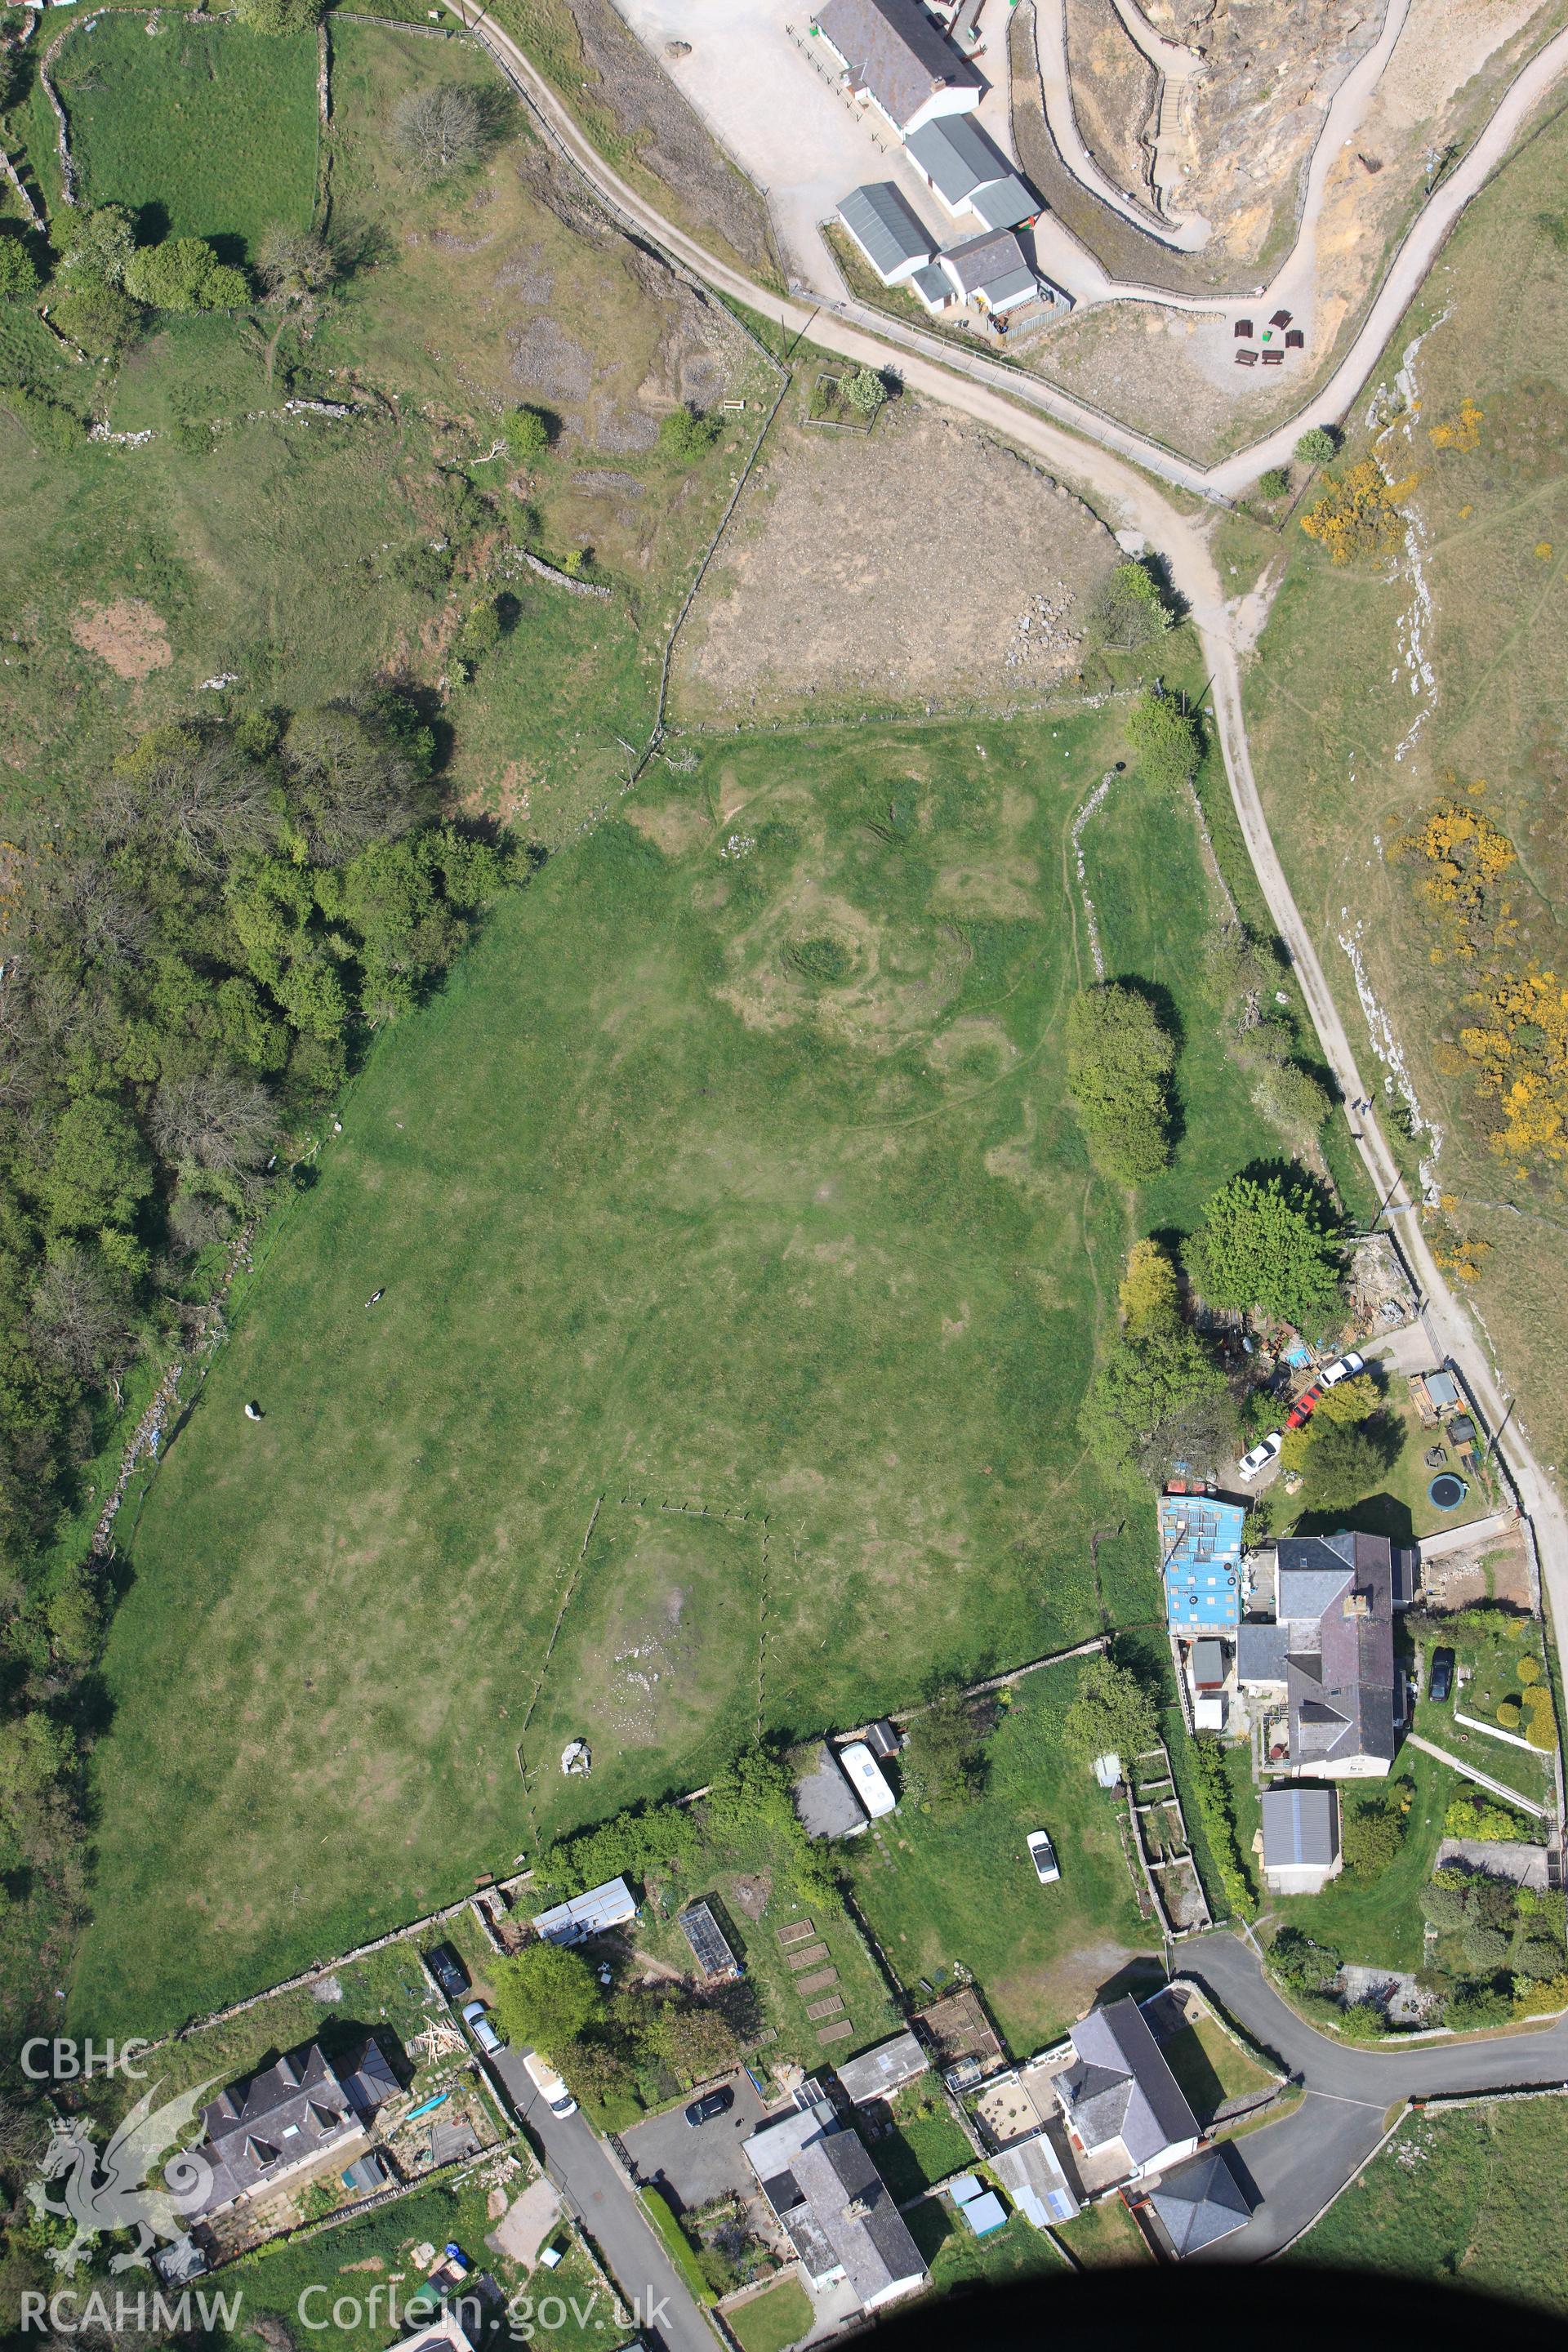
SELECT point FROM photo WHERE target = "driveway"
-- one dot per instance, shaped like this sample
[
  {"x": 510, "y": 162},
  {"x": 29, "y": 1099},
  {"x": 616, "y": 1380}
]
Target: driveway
[
  {"x": 698, "y": 2165},
  {"x": 597, "y": 2193}
]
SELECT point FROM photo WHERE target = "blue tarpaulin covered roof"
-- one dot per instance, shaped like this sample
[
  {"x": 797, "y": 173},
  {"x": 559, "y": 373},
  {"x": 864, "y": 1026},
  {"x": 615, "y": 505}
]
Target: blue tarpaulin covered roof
[{"x": 1200, "y": 1554}]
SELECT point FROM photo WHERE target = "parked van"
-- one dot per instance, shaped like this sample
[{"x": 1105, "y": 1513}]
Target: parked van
[{"x": 549, "y": 2085}]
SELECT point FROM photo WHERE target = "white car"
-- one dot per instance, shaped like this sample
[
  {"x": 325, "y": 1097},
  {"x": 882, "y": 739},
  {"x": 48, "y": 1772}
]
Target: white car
[
  {"x": 1043, "y": 1854},
  {"x": 548, "y": 2084},
  {"x": 1345, "y": 1370},
  {"x": 1261, "y": 1456},
  {"x": 477, "y": 2018}
]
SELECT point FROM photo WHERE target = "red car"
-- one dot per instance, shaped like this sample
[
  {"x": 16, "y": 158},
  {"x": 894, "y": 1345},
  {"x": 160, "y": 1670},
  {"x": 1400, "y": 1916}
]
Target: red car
[{"x": 1302, "y": 1410}]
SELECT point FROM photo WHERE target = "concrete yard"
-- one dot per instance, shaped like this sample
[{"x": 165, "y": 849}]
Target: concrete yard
[{"x": 777, "y": 112}]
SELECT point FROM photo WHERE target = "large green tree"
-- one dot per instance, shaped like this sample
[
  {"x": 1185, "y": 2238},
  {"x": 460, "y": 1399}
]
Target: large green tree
[
  {"x": 943, "y": 1760},
  {"x": 1120, "y": 1061},
  {"x": 1146, "y": 1389},
  {"x": 1113, "y": 1712},
  {"x": 1166, "y": 741},
  {"x": 184, "y": 273},
  {"x": 545, "y": 1996},
  {"x": 1267, "y": 1241}
]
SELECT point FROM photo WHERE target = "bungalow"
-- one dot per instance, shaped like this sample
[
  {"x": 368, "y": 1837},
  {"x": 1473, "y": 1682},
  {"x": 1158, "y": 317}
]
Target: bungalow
[
  {"x": 956, "y": 160},
  {"x": 1301, "y": 1840},
  {"x": 991, "y": 272},
  {"x": 887, "y": 230},
  {"x": 1120, "y": 2100},
  {"x": 896, "y": 59},
  {"x": 1199, "y": 2203}
]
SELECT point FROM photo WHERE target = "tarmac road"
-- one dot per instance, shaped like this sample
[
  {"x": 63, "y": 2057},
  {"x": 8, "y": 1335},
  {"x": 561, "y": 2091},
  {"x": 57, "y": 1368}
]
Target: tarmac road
[
  {"x": 1299, "y": 2163},
  {"x": 597, "y": 2192}
]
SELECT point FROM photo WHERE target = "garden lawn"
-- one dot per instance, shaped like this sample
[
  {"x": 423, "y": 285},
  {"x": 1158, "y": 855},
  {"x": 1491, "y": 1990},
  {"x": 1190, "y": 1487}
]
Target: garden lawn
[
  {"x": 1211, "y": 2069},
  {"x": 569, "y": 2309},
  {"x": 1372, "y": 1922},
  {"x": 731, "y": 1175},
  {"x": 1475, "y": 2197},
  {"x": 779, "y": 2316},
  {"x": 1491, "y": 1651},
  {"x": 959, "y": 2260},
  {"x": 1106, "y": 2235},
  {"x": 201, "y": 130},
  {"x": 925, "y": 2145},
  {"x": 936, "y": 1892}
]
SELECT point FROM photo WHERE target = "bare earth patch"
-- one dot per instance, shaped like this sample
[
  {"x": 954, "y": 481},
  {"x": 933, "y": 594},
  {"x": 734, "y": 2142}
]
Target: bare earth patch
[
  {"x": 128, "y": 635},
  {"x": 922, "y": 562}
]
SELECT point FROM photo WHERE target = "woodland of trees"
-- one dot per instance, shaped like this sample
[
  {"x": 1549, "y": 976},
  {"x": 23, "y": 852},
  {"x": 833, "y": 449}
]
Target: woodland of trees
[{"x": 192, "y": 960}]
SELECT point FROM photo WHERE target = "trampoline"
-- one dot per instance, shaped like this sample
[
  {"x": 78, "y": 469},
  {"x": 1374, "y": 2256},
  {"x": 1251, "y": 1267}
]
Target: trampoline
[{"x": 1447, "y": 1493}]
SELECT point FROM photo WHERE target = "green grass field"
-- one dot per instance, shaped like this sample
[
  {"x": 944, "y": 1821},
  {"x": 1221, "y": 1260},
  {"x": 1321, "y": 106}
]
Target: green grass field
[
  {"x": 1474, "y": 2197},
  {"x": 271, "y": 549},
  {"x": 736, "y": 1180},
  {"x": 1211, "y": 2068},
  {"x": 968, "y": 1891},
  {"x": 199, "y": 129},
  {"x": 362, "y": 2264},
  {"x": 925, "y": 2146},
  {"x": 960, "y": 2261}
]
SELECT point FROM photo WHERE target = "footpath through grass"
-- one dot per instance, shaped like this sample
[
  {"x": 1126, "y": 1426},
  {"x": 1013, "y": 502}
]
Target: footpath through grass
[
  {"x": 1473, "y": 2197},
  {"x": 731, "y": 1175}
]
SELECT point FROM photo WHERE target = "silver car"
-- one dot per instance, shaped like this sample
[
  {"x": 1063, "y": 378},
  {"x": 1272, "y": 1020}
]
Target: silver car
[
  {"x": 476, "y": 2017},
  {"x": 1043, "y": 1854}
]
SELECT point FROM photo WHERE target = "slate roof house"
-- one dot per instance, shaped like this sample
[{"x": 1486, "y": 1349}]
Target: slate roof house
[
  {"x": 296, "y": 2114},
  {"x": 1329, "y": 1648},
  {"x": 896, "y": 58},
  {"x": 1200, "y": 2203},
  {"x": 834, "y": 2205},
  {"x": 954, "y": 157},
  {"x": 885, "y": 227},
  {"x": 991, "y": 272},
  {"x": 1119, "y": 2099}
]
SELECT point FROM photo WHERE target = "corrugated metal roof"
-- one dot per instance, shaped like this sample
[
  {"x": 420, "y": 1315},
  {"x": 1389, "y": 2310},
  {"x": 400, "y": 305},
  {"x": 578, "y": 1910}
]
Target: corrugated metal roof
[
  {"x": 1301, "y": 1828},
  {"x": 957, "y": 158},
  {"x": 1003, "y": 203},
  {"x": 885, "y": 227},
  {"x": 610, "y": 1905}
]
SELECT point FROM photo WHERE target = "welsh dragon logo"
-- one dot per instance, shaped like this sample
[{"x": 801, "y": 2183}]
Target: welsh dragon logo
[{"x": 109, "y": 2192}]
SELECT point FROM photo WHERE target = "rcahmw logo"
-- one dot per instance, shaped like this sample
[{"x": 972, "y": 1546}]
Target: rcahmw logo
[
  {"x": 64, "y": 2312},
  {"x": 100, "y": 2196}
]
